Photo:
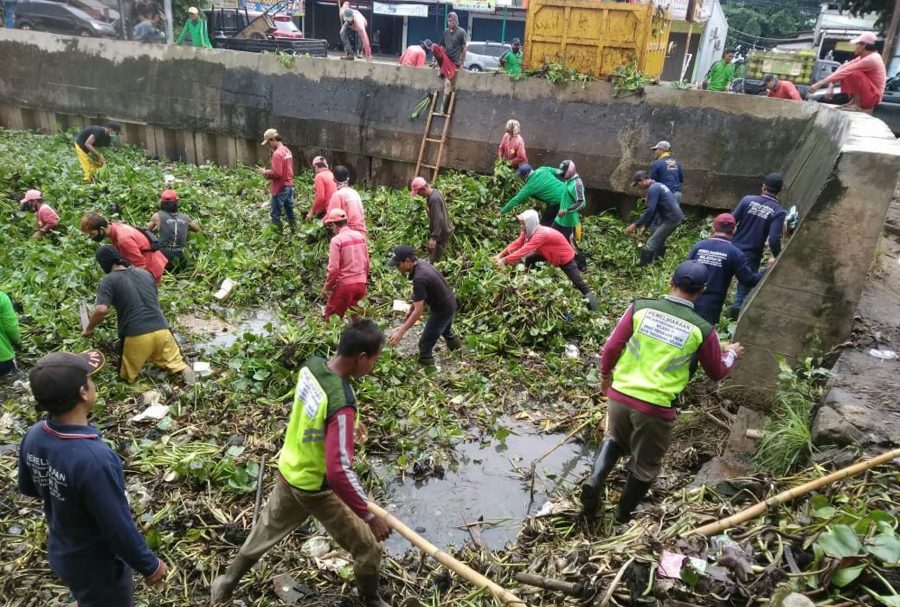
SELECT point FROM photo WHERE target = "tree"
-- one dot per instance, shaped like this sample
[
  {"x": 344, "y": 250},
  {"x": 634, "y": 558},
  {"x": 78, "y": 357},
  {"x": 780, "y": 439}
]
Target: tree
[
  {"x": 884, "y": 8},
  {"x": 744, "y": 20},
  {"x": 781, "y": 23}
]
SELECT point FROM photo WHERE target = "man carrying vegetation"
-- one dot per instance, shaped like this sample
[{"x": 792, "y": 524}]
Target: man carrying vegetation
[
  {"x": 173, "y": 228},
  {"x": 315, "y": 474},
  {"x": 10, "y": 335},
  {"x": 440, "y": 228},
  {"x": 348, "y": 200},
  {"x": 720, "y": 73},
  {"x": 567, "y": 221},
  {"x": 540, "y": 183},
  {"x": 47, "y": 219},
  {"x": 760, "y": 219},
  {"x": 93, "y": 544},
  {"x": 660, "y": 201},
  {"x": 195, "y": 27},
  {"x": 723, "y": 262},
  {"x": 540, "y": 243},
  {"x": 453, "y": 43},
  {"x": 130, "y": 242},
  {"x": 144, "y": 333},
  {"x": 348, "y": 265},
  {"x": 86, "y": 144},
  {"x": 429, "y": 287},
  {"x": 646, "y": 363},
  {"x": 281, "y": 179},
  {"x": 324, "y": 187}
]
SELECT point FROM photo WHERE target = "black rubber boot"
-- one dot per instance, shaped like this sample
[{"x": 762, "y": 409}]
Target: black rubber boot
[
  {"x": 647, "y": 257},
  {"x": 223, "y": 586},
  {"x": 634, "y": 492},
  {"x": 592, "y": 304},
  {"x": 367, "y": 585},
  {"x": 426, "y": 361},
  {"x": 454, "y": 343},
  {"x": 592, "y": 489}
]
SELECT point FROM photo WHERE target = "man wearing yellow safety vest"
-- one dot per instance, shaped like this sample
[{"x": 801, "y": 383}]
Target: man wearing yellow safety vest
[
  {"x": 315, "y": 477},
  {"x": 646, "y": 363}
]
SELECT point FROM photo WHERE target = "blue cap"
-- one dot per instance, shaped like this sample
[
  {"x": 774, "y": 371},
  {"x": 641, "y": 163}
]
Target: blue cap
[
  {"x": 524, "y": 169},
  {"x": 691, "y": 275}
]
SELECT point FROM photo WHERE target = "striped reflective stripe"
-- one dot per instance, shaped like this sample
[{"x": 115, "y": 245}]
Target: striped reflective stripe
[{"x": 343, "y": 435}]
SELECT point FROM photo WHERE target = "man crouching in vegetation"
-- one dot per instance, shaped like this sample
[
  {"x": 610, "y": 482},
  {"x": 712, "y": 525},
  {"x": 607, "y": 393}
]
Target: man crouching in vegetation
[
  {"x": 315, "y": 477},
  {"x": 665, "y": 339}
]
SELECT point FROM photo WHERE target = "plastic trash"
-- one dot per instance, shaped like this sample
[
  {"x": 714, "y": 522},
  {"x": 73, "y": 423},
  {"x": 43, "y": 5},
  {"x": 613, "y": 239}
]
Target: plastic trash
[
  {"x": 401, "y": 306},
  {"x": 572, "y": 351},
  {"x": 153, "y": 412},
  {"x": 883, "y": 353},
  {"x": 202, "y": 369},
  {"x": 225, "y": 289}
]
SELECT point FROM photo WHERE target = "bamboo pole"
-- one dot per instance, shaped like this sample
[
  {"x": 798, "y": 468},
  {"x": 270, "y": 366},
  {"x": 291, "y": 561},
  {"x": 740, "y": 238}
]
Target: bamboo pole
[
  {"x": 504, "y": 596},
  {"x": 793, "y": 493}
]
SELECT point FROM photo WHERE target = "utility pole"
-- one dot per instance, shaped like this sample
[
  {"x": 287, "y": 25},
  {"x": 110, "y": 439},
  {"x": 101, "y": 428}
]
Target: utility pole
[
  {"x": 890, "y": 36},
  {"x": 170, "y": 38}
]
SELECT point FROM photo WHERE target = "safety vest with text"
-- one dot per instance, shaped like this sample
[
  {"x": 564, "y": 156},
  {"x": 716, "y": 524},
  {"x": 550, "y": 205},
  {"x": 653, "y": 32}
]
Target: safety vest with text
[{"x": 659, "y": 357}]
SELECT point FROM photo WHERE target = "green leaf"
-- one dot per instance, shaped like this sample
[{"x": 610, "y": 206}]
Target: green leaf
[
  {"x": 845, "y": 575},
  {"x": 821, "y": 507},
  {"x": 840, "y": 541},
  {"x": 890, "y": 600},
  {"x": 689, "y": 575},
  {"x": 153, "y": 538},
  {"x": 885, "y": 547}
]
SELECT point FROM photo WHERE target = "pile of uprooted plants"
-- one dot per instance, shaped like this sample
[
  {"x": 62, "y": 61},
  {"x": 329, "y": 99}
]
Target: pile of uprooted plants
[{"x": 192, "y": 475}]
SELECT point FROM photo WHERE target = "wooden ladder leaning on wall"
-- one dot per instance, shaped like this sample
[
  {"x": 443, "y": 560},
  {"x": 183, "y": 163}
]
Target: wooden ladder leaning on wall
[{"x": 428, "y": 139}]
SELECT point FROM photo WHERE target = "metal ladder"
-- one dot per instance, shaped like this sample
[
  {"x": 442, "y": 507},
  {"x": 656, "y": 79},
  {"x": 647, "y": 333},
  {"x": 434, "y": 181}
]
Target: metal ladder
[{"x": 428, "y": 139}]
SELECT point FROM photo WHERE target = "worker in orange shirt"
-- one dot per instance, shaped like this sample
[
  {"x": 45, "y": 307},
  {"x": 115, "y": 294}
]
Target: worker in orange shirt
[
  {"x": 862, "y": 79},
  {"x": 414, "y": 55},
  {"x": 781, "y": 89},
  {"x": 324, "y": 186},
  {"x": 348, "y": 265}
]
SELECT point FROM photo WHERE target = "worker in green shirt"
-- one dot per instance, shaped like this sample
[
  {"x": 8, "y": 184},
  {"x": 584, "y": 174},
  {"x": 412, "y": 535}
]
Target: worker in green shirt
[
  {"x": 573, "y": 200},
  {"x": 196, "y": 28},
  {"x": 9, "y": 335},
  {"x": 511, "y": 61},
  {"x": 540, "y": 183},
  {"x": 720, "y": 75}
]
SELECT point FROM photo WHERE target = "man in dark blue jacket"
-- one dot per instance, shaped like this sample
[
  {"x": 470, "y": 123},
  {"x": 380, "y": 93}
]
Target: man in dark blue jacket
[
  {"x": 92, "y": 544},
  {"x": 723, "y": 262},
  {"x": 659, "y": 202},
  {"x": 759, "y": 219},
  {"x": 667, "y": 171}
]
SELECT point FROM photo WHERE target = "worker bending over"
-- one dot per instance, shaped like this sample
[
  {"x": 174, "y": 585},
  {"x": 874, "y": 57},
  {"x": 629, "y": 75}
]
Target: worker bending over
[{"x": 348, "y": 265}]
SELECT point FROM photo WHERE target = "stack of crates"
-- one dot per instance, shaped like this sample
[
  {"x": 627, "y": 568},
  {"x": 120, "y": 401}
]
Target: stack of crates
[{"x": 796, "y": 66}]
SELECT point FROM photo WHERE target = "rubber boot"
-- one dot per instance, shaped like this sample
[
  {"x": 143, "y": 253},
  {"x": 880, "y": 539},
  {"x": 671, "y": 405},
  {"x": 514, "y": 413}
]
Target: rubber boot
[
  {"x": 634, "y": 492},
  {"x": 223, "y": 586},
  {"x": 426, "y": 361},
  {"x": 592, "y": 304},
  {"x": 439, "y": 105},
  {"x": 647, "y": 257},
  {"x": 607, "y": 456},
  {"x": 454, "y": 343},
  {"x": 367, "y": 585}
]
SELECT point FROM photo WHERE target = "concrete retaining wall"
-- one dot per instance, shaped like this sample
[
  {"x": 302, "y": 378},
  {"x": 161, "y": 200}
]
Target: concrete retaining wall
[
  {"x": 191, "y": 103},
  {"x": 198, "y": 105}
]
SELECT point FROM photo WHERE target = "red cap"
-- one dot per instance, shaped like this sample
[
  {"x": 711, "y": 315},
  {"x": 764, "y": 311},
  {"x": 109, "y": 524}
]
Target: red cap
[
  {"x": 169, "y": 196},
  {"x": 417, "y": 184},
  {"x": 724, "y": 223}
]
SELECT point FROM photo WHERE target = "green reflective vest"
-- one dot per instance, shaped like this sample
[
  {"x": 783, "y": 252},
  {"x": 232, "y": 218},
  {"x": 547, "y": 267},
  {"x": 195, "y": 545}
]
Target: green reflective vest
[
  {"x": 319, "y": 394},
  {"x": 656, "y": 364}
]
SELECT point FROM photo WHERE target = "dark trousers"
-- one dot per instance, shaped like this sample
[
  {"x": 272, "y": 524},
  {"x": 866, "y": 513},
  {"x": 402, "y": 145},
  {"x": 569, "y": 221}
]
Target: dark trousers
[
  {"x": 658, "y": 219},
  {"x": 549, "y": 215},
  {"x": 656, "y": 244},
  {"x": 567, "y": 232},
  {"x": 438, "y": 251},
  {"x": 742, "y": 291},
  {"x": 439, "y": 324},
  {"x": 108, "y": 584},
  {"x": 571, "y": 270},
  {"x": 7, "y": 367}
]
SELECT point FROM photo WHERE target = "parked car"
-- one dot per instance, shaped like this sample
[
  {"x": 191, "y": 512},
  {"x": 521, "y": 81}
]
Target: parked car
[
  {"x": 888, "y": 110},
  {"x": 231, "y": 21},
  {"x": 59, "y": 18},
  {"x": 484, "y": 56}
]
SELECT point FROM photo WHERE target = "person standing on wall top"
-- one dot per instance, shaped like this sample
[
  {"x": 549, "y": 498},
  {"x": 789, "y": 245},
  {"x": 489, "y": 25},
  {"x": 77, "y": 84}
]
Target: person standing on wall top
[
  {"x": 723, "y": 262},
  {"x": 567, "y": 221},
  {"x": 348, "y": 200},
  {"x": 281, "y": 179},
  {"x": 511, "y": 61},
  {"x": 93, "y": 544},
  {"x": 512, "y": 145},
  {"x": 429, "y": 287},
  {"x": 348, "y": 265},
  {"x": 781, "y": 89},
  {"x": 10, "y": 335},
  {"x": 47, "y": 219},
  {"x": 414, "y": 55},
  {"x": 660, "y": 201},
  {"x": 453, "y": 41},
  {"x": 646, "y": 363},
  {"x": 540, "y": 243},
  {"x": 352, "y": 19},
  {"x": 315, "y": 469},
  {"x": 195, "y": 27},
  {"x": 543, "y": 184},
  {"x": 324, "y": 187},
  {"x": 720, "y": 74},
  {"x": 862, "y": 79},
  {"x": 173, "y": 228},
  {"x": 440, "y": 227},
  {"x": 86, "y": 144},
  {"x": 131, "y": 242},
  {"x": 760, "y": 218}
]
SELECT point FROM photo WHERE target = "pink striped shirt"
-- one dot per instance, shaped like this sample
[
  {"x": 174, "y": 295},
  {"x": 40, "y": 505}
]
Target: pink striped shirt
[
  {"x": 348, "y": 199},
  {"x": 348, "y": 259}
]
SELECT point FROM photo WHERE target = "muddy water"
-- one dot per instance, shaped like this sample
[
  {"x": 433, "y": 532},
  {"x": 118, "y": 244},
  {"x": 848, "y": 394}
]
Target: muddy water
[
  {"x": 208, "y": 334},
  {"x": 487, "y": 480}
]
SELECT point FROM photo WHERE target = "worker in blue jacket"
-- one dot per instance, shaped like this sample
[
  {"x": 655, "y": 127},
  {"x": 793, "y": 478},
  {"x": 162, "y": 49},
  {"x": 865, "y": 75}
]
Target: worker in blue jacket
[
  {"x": 659, "y": 202},
  {"x": 667, "y": 171},
  {"x": 760, "y": 218},
  {"x": 92, "y": 542},
  {"x": 723, "y": 262}
]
